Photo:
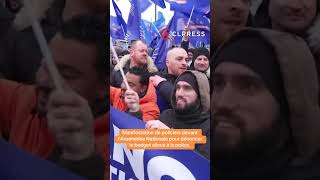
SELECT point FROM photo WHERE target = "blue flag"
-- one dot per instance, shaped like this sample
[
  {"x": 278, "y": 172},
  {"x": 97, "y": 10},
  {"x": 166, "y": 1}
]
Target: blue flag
[
  {"x": 133, "y": 25},
  {"x": 151, "y": 164},
  {"x": 186, "y": 6},
  {"x": 160, "y": 22},
  {"x": 16, "y": 164},
  {"x": 150, "y": 32},
  {"x": 159, "y": 3},
  {"x": 199, "y": 29},
  {"x": 116, "y": 30},
  {"x": 160, "y": 52},
  {"x": 120, "y": 19}
]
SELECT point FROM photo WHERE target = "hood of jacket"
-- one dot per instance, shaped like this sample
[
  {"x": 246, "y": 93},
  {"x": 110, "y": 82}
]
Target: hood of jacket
[
  {"x": 204, "y": 90},
  {"x": 125, "y": 59},
  {"x": 300, "y": 83}
]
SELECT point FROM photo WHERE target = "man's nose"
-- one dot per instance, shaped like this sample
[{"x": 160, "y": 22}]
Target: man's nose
[
  {"x": 238, "y": 6},
  {"x": 224, "y": 99}
]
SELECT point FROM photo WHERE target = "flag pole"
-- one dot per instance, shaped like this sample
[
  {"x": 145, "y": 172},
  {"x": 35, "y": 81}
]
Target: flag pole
[
  {"x": 190, "y": 16},
  {"x": 44, "y": 47},
  {"x": 117, "y": 59}
]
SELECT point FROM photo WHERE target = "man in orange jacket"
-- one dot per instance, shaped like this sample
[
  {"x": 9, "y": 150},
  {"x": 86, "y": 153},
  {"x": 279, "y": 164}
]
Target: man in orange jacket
[
  {"x": 140, "y": 100},
  {"x": 65, "y": 127}
]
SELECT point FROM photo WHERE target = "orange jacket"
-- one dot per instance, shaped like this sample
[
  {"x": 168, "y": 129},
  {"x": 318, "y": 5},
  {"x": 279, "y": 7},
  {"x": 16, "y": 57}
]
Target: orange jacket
[
  {"x": 148, "y": 103},
  {"x": 23, "y": 127}
]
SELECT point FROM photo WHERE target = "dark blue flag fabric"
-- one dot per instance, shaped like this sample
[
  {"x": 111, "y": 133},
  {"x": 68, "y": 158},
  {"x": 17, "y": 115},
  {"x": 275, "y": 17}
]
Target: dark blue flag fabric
[
  {"x": 134, "y": 21},
  {"x": 120, "y": 19},
  {"x": 116, "y": 30},
  {"x": 151, "y": 164},
  {"x": 163, "y": 45},
  {"x": 16, "y": 165},
  {"x": 159, "y": 3},
  {"x": 150, "y": 32},
  {"x": 199, "y": 31},
  {"x": 186, "y": 6}
]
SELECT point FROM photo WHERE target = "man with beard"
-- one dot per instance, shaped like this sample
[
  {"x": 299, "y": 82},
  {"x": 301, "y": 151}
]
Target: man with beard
[
  {"x": 265, "y": 113},
  {"x": 190, "y": 108}
]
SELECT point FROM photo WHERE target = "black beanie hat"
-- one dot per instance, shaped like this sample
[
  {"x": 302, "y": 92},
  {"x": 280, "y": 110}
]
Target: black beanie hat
[
  {"x": 258, "y": 56},
  {"x": 201, "y": 51},
  {"x": 198, "y": 52},
  {"x": 191, "y": 79}
]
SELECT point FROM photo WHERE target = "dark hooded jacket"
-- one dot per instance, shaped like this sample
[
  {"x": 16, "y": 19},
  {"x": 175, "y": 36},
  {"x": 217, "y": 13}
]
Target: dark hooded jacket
[
  {"x": 311, "y": 35},
  {"x": 298, "y": 160},
  {"x": 198, "y": 118}
]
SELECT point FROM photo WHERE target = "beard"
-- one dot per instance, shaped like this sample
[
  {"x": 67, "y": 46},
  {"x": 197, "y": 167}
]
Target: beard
[
  {"x": 188, "y": 108},
  {"x": 250, "y": 147}
]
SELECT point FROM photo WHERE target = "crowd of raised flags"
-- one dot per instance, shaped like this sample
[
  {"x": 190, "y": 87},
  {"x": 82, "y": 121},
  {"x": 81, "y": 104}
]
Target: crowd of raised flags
[{"x": 194, "y": 13}]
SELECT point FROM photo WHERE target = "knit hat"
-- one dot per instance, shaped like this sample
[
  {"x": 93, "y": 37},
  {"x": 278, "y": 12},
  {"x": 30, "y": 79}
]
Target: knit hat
[{"x": 190, "y": 79}]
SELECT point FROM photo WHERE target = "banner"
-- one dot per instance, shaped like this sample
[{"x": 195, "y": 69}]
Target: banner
[
  {"x": 16, "y": 164},
  {"x": 120, "y": 19},
  {"x": 134, "y": 20},
  {"x": 151, "y": 164},
  {"x": 116, "y": 30}
]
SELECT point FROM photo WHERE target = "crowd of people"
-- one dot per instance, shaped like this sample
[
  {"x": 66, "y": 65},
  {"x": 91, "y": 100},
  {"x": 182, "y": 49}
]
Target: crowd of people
[
  {"x": 177, "y": 96},
  {"x": 255, "y": 93}
]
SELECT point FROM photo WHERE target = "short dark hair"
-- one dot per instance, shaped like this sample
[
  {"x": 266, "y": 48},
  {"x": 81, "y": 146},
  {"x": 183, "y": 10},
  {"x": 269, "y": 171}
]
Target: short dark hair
[
  {"x": 90, "y": 29},
  {"x": 142, "y": 73}
]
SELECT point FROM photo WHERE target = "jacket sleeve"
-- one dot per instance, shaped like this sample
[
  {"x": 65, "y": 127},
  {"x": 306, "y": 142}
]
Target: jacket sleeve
[
  {"x": 185, "y": 45},
  {"x": 165, "y": 89}
]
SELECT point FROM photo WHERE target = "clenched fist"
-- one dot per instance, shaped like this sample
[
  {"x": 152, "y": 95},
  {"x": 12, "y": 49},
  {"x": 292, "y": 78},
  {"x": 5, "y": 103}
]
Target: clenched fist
[
  {"x": 71, "y": 121},
  {"x": 132, "y": 100}
]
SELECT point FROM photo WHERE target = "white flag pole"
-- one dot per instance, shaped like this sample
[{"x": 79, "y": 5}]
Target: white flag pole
[
  {"x": 117, "y": 59},
  {"x": 44, "y": 47},
  {"x": 190, "y": 16}
]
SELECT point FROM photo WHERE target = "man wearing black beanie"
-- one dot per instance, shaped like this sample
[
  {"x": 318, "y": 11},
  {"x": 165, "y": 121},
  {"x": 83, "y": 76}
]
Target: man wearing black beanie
[
  {"x": 190, "y": 101},
  {"x": 264, "y": 105}
]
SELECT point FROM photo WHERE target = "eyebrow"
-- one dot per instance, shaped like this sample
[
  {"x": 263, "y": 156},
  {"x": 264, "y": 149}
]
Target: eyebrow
[{"x": 180, "y": 57}]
